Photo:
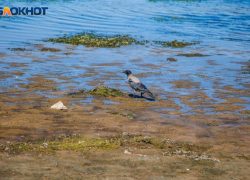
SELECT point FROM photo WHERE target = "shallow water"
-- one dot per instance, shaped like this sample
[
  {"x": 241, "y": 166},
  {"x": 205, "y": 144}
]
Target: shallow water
[{"x": 222, "y": 27}]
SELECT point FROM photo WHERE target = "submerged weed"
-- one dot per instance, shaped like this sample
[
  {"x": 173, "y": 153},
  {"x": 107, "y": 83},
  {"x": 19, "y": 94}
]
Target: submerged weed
[
  {"x": 50, "y": 49},
  {"x": 192, "y": 55},
  {"x": 18, "y": 49},
  {"x": 171, "y": 59},
  {"x": 176, "y": 43},
  {"x": 91, "y": 39}
]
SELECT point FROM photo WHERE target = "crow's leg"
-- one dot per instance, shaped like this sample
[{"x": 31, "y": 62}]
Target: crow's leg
[{"x": 134, "y": 93}]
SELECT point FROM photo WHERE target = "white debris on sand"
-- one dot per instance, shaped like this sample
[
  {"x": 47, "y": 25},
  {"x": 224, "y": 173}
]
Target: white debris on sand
[
  {"x": 59, "y": 105},
  {"x": 141, "y": 155},
  {"x": 127, "y": 152}
]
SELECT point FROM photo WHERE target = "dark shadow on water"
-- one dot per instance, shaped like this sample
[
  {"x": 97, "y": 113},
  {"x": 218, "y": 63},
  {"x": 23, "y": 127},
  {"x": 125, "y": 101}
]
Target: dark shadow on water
[{"x": 141, "y": 97}]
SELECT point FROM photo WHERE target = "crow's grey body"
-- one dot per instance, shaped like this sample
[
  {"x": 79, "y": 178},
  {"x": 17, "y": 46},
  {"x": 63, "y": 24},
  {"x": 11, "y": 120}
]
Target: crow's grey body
[{"x": 136, "y": 84}]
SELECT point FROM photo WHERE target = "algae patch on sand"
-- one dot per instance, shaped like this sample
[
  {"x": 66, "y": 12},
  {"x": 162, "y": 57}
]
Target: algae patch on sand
[
  {"x": 101, "y": 91},
  {"x": 129, "y": 115},
  {"x": 85, "y": 143}
]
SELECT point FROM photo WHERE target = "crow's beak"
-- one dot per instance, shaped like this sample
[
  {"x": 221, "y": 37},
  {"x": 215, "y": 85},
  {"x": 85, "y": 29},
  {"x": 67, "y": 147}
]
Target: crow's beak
[{"x": 123, "y": 71}]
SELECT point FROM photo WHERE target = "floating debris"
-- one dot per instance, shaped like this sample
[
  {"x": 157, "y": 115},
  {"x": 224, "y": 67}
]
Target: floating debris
[{"x": 59, "y": 105}]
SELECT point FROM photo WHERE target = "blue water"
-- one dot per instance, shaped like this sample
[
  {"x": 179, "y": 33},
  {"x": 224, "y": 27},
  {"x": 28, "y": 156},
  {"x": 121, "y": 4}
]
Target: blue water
[
  {"x": 222, "y": 27},
  {"x": 213, "y": 22}
]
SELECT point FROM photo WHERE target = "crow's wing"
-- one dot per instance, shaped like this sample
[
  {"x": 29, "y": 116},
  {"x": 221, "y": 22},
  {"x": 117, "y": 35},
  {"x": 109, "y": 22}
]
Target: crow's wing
[
  {"x": 140, "y": 87},
  {"x": 137, "y": 86}
]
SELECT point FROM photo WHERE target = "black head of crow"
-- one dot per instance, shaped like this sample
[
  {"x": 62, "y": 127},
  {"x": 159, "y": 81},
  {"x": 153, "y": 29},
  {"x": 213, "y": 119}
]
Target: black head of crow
[
  {"x": 128, "y": 72},
  {"x": 136, "y": 84}
]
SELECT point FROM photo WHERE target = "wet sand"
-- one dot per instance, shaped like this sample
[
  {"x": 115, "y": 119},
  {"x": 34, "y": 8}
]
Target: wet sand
[{"x": 217, "y": 122}]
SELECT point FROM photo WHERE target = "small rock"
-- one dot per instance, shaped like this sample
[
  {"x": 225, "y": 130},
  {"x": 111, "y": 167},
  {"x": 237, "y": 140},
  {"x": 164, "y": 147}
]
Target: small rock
[
  {"x": 127, "y": 152},
  {"x": 125, "y": 134},
  {"x": 59, "y": 106}
]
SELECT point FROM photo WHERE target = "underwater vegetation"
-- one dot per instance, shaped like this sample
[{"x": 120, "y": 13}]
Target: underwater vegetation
[
  {"x": 167, "y": 19},
  {"x": 91, "y": 39},
  {"x": 171, "y": 59},
  {"x": 176, "y": 43},
  {"x": 245, "y": 70},
  {"x": 192, "y": 55},
  {"x": 18, "y": 49},
  {"x": 50, "y": 49}
]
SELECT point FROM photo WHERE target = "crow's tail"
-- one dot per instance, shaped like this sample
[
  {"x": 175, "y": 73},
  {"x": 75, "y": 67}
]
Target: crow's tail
[{"x": 149, "y": 93}]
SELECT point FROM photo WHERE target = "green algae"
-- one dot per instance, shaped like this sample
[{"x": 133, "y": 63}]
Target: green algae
[
  {"x": 129, "y": 115},
  {"x": 100, "y": 91},
  {"x": 171, "y": 59},
  {"x": 18, "y": 49},
  {"x": 192, "y": 55},
  {"x": 160, "y": 19},
  {"x": 86, "y": 143},
  {"x": 167, "y": 19},
  {"x": 212, "y": 124},
  {"x": 50, "y": 49},
  {"x": 106, "y": 92},
  {"x": 176, "y": 43},
  {"x": 91, "y": 39}
]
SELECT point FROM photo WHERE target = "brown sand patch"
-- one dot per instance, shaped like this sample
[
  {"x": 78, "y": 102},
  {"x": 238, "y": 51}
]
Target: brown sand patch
[{"x": 187, "y": 84}]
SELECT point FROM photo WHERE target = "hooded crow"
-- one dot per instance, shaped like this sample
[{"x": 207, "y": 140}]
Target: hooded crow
[{"x": 136, "y": 84}]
